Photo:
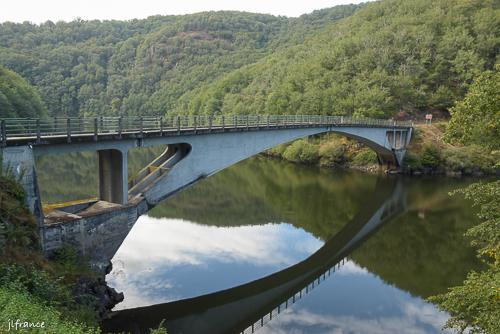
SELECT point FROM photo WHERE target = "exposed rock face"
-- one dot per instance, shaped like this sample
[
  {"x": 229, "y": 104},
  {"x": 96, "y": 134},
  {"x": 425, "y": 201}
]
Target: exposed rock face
[{"x": 97, "y": 294}]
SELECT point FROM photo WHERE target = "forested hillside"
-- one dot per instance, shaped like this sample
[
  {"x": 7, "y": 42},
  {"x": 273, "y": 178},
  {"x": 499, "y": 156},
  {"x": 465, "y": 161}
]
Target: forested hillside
[
  {"x": 376, "y": 59},
  {"x": 391, "y": 56},
  {"x": 144, "y": 66},
  {"x": 18, "y": 98}
]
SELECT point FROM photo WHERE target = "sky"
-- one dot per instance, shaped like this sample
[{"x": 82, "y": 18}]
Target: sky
[{"x": 39, "y": 11}]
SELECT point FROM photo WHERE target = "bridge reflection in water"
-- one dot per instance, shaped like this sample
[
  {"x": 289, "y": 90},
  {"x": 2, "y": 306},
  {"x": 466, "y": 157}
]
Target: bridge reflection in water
[{"x": 246, "y": 308}]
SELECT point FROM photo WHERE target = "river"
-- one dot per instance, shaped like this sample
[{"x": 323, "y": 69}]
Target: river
[{"x": 274, "y": 247}]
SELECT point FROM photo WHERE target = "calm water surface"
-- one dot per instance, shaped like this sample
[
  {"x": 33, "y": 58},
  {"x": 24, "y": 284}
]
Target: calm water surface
[{"x": 379, "y": 246}]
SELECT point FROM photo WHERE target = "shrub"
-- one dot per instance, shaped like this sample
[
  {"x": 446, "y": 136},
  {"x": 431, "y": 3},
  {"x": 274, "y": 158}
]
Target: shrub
[
  {"x": 412, "y": 161},
  {"x": 277, "y": 151},
  {"x": 469, "y": 158},
  {"x": 301, "y": 151},
  {"x": 365, "y": 157},
  {"x": 18, "y": 304},
  {"x": 431, "y": 156},
  {"x": 332, "y": 152}
]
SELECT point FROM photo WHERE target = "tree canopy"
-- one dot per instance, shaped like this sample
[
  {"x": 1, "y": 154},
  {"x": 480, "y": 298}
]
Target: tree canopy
[
  {"x": 374, "y": 59},
  {"x": 476, "y": 119},
  {"x": 18, "y": 98}
]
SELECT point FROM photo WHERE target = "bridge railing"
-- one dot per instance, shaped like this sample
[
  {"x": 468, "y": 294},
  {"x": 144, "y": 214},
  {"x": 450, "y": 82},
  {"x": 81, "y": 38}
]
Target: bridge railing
[{"x": 11, "y": 128}]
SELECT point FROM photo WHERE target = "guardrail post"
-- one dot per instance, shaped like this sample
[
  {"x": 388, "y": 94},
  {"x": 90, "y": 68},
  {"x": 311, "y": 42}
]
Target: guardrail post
[
  {"x": 38, "y": 132},
  {"x": 258, "y": 122},
  {"x": 209, "y": 123},
  {"x": 141, "y": 126},
  {"x": 247, "y": 122},
  {"x": 161, "y": 125},
  {"x": 268, "y": 121},
  {"x": 3, "y": 129},
  {"x": 178, "y": 125},
  {"x": 223, "y": 123},
  {"x": 96, "y": 128},
  {"x": 68, "y": 129},
  {"x": 234, "y": 122},
  {"x": 284, "y": 121},
  {"x": 120, "y": 126},
  {"x": 195, "y": 123}
]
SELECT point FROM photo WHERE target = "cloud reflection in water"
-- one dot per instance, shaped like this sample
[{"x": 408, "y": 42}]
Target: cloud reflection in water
[{"x": 168, "y": 259}]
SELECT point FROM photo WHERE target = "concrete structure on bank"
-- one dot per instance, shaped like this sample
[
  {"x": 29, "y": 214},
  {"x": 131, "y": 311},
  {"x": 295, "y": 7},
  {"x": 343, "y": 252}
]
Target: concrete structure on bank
[{"x": 195, "y": 149}]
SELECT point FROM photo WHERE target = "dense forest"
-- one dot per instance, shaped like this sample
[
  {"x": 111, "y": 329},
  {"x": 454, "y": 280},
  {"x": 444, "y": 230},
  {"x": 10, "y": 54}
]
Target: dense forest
[
  {"x": 144, "y": 66},
  {"x": 376, "y": 59}
]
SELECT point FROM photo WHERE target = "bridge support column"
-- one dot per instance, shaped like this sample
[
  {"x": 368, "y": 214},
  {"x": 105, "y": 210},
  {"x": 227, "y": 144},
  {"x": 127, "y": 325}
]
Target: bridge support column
[{"x": 113, "y": 183}]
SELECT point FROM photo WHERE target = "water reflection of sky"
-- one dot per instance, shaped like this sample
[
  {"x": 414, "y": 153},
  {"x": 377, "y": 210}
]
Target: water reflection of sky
[
  {"x": 169, "y": 259},
  {"x": 355, "y": 301}
]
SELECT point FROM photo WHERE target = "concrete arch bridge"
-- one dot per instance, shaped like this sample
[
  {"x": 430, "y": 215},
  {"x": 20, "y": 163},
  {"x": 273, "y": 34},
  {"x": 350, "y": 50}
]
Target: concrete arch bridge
[{"x": 197, "y": 147}]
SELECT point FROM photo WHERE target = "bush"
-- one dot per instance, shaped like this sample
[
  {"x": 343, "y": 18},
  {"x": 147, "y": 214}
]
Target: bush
[
  {"x": 332, "y": 152},
  {"x": 431, "y": 157},
  {"x": 365, "y": 157},
  {"x": 301, "y": 151},
  {"x": 18, "y": 304},
  {"x": 36, "y": 282},
  {"x": 412, "y": 161},
  {"x": 471, "y": 158},
  {"x": 277, "y": 151}
]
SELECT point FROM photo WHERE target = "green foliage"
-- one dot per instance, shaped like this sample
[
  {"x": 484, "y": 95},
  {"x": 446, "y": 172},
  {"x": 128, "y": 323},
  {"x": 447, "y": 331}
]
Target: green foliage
[
  {"x": 389, "y": 56},
  {"x": 431, "y": 157},
  {"x": 365, "y": 157},
  {"x": 18, "y": 228},
  {"x": 18, "y": 98},
  {"x": 476, "y": 119},
  {"x": 486, "y": 236},
  {"x": 37, "y": 283},
  {"x": 277, "y": 151},
  {"x": 332, "y": 152},
  {"x": 160, "y": 330},
  {"x": 468, "y": 159},
  {"x": 302, "y": 151},
  {"x": 412, "y": 161},
  {"x": 475, "y": 305},
  {"x": 146, "y": 66},
  {"x": 19, "y": 304}
]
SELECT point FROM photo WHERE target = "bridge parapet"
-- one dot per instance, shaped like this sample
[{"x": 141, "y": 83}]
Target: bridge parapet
[{"x": 22, "y": 131}]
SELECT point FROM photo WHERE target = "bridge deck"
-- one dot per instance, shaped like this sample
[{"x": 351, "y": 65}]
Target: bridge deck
[{"x": 14, "y": 132}]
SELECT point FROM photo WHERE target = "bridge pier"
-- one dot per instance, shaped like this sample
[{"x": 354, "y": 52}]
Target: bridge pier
[{"x": 113, "y": 176}]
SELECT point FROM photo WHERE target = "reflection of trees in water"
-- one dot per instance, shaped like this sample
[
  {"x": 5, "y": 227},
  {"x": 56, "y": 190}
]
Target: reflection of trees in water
[
  {"x": 420, "y": 255},
  {"x": 422, "y": 252},
  {"x": 66, "y": 177}
]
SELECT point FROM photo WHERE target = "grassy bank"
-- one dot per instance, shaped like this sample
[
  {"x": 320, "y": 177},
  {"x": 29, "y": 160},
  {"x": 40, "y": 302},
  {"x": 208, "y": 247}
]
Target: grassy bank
[
  {"x": 428, "y": 153},
  {"x": 39, "y": 295},
  {"x": 32, "y": 288}
]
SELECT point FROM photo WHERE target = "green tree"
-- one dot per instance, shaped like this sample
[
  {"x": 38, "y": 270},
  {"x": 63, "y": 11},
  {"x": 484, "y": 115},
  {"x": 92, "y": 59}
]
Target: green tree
[
  {"x": 18, "y": 98},
  {"x": 475, "y": 305},
  {"x": 476, "y": 119}
]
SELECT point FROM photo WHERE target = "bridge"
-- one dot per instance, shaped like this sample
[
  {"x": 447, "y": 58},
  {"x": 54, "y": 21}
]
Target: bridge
[{"x": 196, "y": 147}]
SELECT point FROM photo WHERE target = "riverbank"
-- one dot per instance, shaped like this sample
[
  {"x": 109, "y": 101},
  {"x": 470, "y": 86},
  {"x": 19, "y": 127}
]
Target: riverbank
[
  {"x": 427, "y": 154},
  {"x": 56, "y": 295}
]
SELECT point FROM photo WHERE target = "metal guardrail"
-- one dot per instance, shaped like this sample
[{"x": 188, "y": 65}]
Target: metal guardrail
[
  {"x": 20, "y": 128},
  {"x": 283, "y": 306}
]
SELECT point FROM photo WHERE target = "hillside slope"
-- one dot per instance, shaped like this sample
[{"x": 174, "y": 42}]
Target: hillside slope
[
  {"x": 145, "y": 66},
  {"x": 388, "y": 57}
]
